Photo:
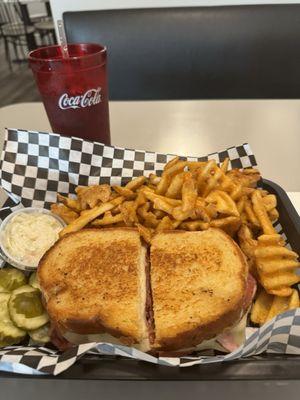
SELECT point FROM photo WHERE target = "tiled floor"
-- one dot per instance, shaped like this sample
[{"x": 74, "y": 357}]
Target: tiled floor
[{"x": 18, "y": 85}]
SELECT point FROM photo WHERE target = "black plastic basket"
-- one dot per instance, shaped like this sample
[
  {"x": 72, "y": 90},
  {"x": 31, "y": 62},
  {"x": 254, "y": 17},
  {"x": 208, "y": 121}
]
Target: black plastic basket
[{"x": 264, "y": 367}]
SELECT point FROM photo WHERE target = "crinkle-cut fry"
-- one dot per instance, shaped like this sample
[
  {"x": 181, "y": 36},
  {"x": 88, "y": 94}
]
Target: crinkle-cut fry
[
  {"x": 108, "y": 219},
  {"x": 91, "y": 196},
  {"x": 282, "y": 304},
  {"x": 136, "y": 183},
  {"x": 247, "y": 191},
  {"x": 159, "y": 214},
  {"x": 247, "y": 177},
  {"x": 196, "y": 225},
  {"x": 81, "y": 189},
  {"x": 250, "y": 215},
  {"x": 193, "y": 165},
  {"x": 224, "y": 203},
  {"x": 74, "y": 204},
  {"x": 269, "y": 202},
  {"x": 269, "y": 266},
  {"x": 154, "y": 179},
  {"x": 261, "y": 307},
  {"x": 278, "y": 281},
  {"x": 204, "y": 174},
  {"x": 128, "y": 211},
  {"x": 282, "y": 292},
  {"x": 211, "y": 210},
  {"x": 212, "y": 182},
  {"x": 153, "y": 196},
  {"x": 236, "y": 192},
  {"x": 65, "y": 213},
  {"x": 225, "y": 164},
  {"x": 240, "y": 205},
  {"x": 163, "y": 205},
  {"x": 146, "y": 233},
  {"x": 229, "y": 224},
  {"x": 140, "y": 199},
  {"x": 148, "y": 217},
  {"x": 273, "y": 214},
  {"x": 250, "y": 171},
  {"x": 189, "y": 193},
  {"x": 275, "y": 251},
  {"x": 202, "y": 211},
  {"x": 171, "y": 163},
  {"x": 180, "y": 215},
  {"x": 248, "y": 244},
  {"x": 261, "y": 213},
  {"x": 174, "y": 190},
  {"x": 173, "y": 170},
  {"x": 125, "y": 192},
  {"x": 276, "y": 265},
  {"x": 90, "y": 215},
  {"x": 167, "y": 224},
  {"x": 274, "y": 239},
  {"x": 163, "y": 185}
]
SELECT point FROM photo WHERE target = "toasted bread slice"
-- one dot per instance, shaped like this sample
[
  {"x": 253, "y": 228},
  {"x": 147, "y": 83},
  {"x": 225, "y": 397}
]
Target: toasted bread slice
[
  {"x": 94, "y": 281},
  {"x": 198, "y": 284}
]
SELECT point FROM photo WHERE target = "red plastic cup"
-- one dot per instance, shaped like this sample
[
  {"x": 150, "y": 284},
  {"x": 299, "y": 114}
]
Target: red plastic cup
[{"x": 74, "y": 90}]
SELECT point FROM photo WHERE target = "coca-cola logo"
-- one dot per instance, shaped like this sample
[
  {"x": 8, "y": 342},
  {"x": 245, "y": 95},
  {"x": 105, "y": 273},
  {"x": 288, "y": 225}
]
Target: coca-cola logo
[{"x": 88, "y": 99}]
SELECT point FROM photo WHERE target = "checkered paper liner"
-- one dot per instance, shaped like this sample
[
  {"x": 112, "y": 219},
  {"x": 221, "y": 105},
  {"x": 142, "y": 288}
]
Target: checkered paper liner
[{"x": 35, "y": 166}]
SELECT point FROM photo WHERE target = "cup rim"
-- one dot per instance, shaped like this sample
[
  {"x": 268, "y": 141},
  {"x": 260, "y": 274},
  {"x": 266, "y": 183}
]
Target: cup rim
[
  {"x": 5, "y": 253},
  {"x": 102, "y": 49}
]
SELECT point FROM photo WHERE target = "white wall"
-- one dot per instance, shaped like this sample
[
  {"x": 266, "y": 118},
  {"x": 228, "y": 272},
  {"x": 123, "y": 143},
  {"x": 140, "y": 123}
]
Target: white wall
[{"x": 60, "y": 6}]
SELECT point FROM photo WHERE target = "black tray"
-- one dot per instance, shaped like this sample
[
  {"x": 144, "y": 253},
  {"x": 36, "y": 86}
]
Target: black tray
[{"x": 264, "y": 367}]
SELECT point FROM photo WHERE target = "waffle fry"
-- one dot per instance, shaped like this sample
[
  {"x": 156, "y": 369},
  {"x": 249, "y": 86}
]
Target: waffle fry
[
  {"x": 248, "y": 244},
  {"x": 108, "y": 219},
  {"x": 125, "y": 192},
  {"x": 189, "y": 193},
  {"x": 228, "y": 224},
  {"x": 197, "y": 225},
  {"x": 261, "y": 307},
  {"x": 146, "y": 233},
  {"x": 195, "y": 196},
  {"x": 174, "y": 190},
  {"x": 267, "y": 306},
  {"x": 276, "y": 265},
  {"x": 72, "y": 204},
  {"x": 224, "y": 203},
  {"x": 91, "y": 196},
  {"x": 261, "y": 213},
  {"x": 64, "y": 212}
]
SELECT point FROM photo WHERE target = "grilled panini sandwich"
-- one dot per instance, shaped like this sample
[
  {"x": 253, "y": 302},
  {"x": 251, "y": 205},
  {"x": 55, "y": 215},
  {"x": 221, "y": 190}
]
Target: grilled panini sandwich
[
  {"x": 98, "y": 282},
  {"x": 198, "y": 282},
  {"x": 93, "y": 282}
]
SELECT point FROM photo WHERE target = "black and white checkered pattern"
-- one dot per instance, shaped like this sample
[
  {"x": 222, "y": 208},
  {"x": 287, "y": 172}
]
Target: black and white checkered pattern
[
  {"x": 35, "y": 166},
  {"x": 280, "y": 335}
]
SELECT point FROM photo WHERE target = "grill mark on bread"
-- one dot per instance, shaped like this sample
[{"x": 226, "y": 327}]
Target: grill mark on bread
[
  {"x": 167, "y": 260},
  {"x": 91, "y": 268},
  {"x": 187, "y": 338}
]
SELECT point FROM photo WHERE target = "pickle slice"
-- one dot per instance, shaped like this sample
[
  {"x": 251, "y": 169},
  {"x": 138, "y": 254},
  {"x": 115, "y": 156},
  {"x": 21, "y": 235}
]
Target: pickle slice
[
  {"x": 33, "y": 281},
  {"x": 40, "y": 335},
  {"x": 26, "y": 308},
  {"x": 9, "y": 333},
  {"x": 11, "y": 279}
]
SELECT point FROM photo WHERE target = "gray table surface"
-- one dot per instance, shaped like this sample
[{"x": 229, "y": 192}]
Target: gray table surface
[
  {"x": 198, "y": 127},
  {"x": 187, "y": 128}
]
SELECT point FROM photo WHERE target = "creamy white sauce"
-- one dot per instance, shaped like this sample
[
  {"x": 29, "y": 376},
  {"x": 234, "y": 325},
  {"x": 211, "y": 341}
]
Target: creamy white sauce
[{"x": 27, "y": 236}]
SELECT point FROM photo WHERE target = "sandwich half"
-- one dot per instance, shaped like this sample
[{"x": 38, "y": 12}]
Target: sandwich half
[
  {"x": 198, "y": 283},
  {"x": 94, "y": 286}
]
